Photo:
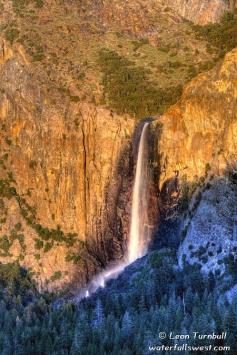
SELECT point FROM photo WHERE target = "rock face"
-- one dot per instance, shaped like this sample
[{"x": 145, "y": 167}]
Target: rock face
[
  {"x": 198, "y": 134},
  {"x": 129, "y": 14},
  {"x": 211, "y": 233},
  {"x": 197, "y": 147},
  {"x": 64, "y": 170},
  {"x": 66, "y": 164},
  {"x": 200, "y": 11}
]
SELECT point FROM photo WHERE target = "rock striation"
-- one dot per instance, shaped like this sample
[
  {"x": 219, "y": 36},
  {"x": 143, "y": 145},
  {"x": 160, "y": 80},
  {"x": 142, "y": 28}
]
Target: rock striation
[
  {"x": 200, "y": 12},
  {"x": 197, "y": 147},
  {"x": 198, "y": 134},
  {"x": 67, "y": 163},
  {"x": 67, "y": 167}
]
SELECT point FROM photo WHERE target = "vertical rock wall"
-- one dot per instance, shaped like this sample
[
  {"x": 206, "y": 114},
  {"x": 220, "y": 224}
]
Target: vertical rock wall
[
  {"x": 200, "y": 11},
  {"x": 69, "y": 166}
]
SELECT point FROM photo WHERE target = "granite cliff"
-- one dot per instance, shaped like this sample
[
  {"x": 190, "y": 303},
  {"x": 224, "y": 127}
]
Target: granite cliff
[
  {"x": 67, "y": 158},
  {"x": 57, "y": 166},
  {"x": 197, "y": 148},
  {"x": 198, "y": 134},
  {"x": 201, "y": 11}
]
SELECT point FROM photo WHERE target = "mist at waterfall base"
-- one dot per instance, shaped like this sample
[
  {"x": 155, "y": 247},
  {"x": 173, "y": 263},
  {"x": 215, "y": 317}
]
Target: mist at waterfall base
[{"x": 139, "y": 235}]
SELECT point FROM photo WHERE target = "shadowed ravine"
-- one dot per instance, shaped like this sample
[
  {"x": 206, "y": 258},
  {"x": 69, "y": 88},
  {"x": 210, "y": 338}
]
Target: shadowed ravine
[{"x": 140, "y": 234}]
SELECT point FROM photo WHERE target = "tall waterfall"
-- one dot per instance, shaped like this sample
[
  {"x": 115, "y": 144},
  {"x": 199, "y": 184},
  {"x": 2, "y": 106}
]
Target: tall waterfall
[{"x": 139, "y": 228}]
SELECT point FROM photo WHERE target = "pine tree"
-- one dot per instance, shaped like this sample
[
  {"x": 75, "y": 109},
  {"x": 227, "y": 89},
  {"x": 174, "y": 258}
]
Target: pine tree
[
  {"x": 178, "y": 317},
  {"x": 7, "y": 348},
  {"x": 127, "y": 326},
  {"x": 172, "y": 307},
  {"x": 234, "y": 306},
  {"x": 98, "y": 316},
  {"x": 41, "y": 306},
  {"x": 148, "y": 341},
  {"x": 142, "y": 304},
  {"x": 188, "y": 300},
  {"x": 229, "y": 325}
]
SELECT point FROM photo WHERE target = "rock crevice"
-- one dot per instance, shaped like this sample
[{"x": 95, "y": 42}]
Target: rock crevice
[{"x": 63, "y": 162}]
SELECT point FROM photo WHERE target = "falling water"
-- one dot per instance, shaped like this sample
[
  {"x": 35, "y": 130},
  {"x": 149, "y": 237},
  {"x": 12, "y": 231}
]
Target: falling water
[{"x": 139, "y": 229}]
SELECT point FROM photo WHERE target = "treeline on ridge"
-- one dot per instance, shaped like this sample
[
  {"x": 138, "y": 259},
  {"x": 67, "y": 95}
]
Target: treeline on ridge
[{"x": 128, "y": 89}]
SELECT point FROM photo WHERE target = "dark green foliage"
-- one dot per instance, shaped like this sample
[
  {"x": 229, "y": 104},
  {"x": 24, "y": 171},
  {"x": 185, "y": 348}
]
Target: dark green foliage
[
  {"x": 124, "y": 318},
  {"x": 16, "y": 280},
  {"x": 50, "y": 236},
  {"x": 47, "y": 237},
  {"x": 48, "y": 246},
  {"x": 6, "y": 190},
  {"x": 72, "y": 257},
  {"x": 39, "y": 244},
  {"x": 231, "y": 263},
  {"x": 75, "y": 98},
  {"x": 39, "y": 3},
  {"x": 56, "y": 276},
  {"x": 11, "y": 34},
  {"x": 127, "y": 88},
  {"x": 7, "y": 241},
  {"x": 54, "y": 235},
  {"x": 20, "y": 5},
  {"x": 34, "y": 46},
  {"x": 8, "y": 141},
  {"x": 37, "y": 257},
  {"x": 5, "y": 244},
  {"x": 222, "y": 37},
  {"x": 18, "y": 226},
  {"x": 37, "y": 54}
]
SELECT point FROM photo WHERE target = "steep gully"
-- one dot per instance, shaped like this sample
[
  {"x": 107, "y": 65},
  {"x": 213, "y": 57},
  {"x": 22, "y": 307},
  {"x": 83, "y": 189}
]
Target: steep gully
[{"x": 140, "y": 229}]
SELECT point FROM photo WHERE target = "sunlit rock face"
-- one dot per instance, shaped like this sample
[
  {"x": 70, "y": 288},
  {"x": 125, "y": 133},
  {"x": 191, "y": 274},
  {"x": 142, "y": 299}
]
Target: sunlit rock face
[
  {"x": 197, "y": 141},
  {"x": 197, "y": 146},
  {"x": 199, "y": 11},
  {"x": 137, "y": 14},
  {"x": 199, "y": 133},
  {"x": 71, "y": 164}
]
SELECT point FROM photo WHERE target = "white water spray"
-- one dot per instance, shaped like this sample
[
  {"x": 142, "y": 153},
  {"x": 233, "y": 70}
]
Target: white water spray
[
  {"x": 139, "y": 235},
  {"x": 139, "y": 230}
]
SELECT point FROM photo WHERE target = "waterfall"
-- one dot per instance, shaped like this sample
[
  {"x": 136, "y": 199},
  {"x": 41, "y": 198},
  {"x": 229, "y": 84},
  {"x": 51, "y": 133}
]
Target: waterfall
[
  {"x": 139, "y": 235},
  {"x": 139, "y": 229}
]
